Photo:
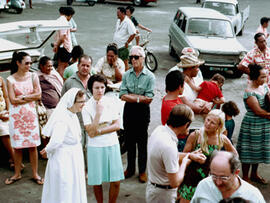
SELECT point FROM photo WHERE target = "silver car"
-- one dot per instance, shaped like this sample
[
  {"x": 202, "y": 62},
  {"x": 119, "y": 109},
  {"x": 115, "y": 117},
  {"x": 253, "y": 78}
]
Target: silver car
[{"x": 211, "y": 34}]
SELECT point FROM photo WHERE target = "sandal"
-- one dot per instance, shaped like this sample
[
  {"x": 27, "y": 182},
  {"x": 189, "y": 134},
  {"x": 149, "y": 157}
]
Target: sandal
[
  {"x": 258, "y": 179},
  {"x": 39, "y": 181},
  {"x": 11, "y": 180}
]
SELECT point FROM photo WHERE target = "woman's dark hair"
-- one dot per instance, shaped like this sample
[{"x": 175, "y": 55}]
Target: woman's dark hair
[
  {"x": 173, "y": 80},
  {"x": 230, "y": 108},
  {"x": 79, "y": 94},
  {"x": 254, "y": 71},
  {"x": 96, "y": 78},
  {"x": 131, "y": 9},
  {"x": 112, "y": 47},
  {"x": 43, "y": 61},
  {"x": 17, "y": 56}
]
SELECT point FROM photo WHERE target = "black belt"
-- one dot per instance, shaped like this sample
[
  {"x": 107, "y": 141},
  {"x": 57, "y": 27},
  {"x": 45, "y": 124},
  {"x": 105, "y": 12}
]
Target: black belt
[{"x": 162, "y": 186}]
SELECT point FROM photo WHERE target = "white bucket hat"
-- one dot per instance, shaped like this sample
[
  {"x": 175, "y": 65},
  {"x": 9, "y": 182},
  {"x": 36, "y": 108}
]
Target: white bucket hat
[{"x": 189, "y": 58}]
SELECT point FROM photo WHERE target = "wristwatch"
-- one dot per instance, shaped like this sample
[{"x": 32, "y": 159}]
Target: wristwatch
[
  {"x": 138, "y": 99},
  {"x": 99, "y": 131}
]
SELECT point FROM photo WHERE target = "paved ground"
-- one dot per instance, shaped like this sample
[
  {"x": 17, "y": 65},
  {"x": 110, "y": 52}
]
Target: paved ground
[{"x": 95, "y": 31}]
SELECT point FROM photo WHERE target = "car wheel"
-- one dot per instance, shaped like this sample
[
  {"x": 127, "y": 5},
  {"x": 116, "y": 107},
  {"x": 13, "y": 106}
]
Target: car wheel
[
  {"x": 237, "y": 73},
  {"x": 19, "y": 10},
  {"x": 91, "y": 3},
  {"x": 241, "y": 31},
  {"x": 137, "y": 2},
  {"x": 171, "y": 50}
]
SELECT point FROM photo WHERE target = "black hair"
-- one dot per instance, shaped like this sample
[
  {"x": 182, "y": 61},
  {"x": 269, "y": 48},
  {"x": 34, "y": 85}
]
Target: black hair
[
  {"x": 180, "y": 115},
  {"x": 234, "y": 200},
  {"x": 112, "y": 47},
  {"x": 230, "y": 108},
  {"x": 69, "y": 11},
  {"x": 16, "y": 57},
  {"x": 130, "y": 8},
  {"x": 96, "y": 78},
  {"x": 122, "y": 9},
  {"x": 173, "y": 80},
  {"x": 257, "y": 35},
  {"x": 264, "y": 20},
  {"x": 254, "y": 71},
  {"x": 43, "y": 61},
  {"x": 85, "y": 57},
  {"x": 76, "y": 52},
  {"x": 62, "y": 10}
]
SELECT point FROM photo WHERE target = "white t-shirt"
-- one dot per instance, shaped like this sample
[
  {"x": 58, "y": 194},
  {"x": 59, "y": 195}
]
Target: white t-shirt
[
  {"x": 123, "y": 31},
  {"x": 207, "y": 192},
  {"x": 108, "y": 71},
  {"x": 162, "y": 155},
  {"x": 109, "y": 114}
]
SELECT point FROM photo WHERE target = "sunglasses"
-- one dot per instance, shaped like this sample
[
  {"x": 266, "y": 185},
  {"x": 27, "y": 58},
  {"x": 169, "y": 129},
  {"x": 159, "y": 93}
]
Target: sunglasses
[{"x": 135, "y": 57}]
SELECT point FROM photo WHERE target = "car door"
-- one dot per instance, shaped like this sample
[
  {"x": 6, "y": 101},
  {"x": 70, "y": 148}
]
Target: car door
[{"x": 177, "y": 32}]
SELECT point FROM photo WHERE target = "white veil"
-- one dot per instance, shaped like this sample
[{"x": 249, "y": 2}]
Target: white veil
[{"x": 60, "y": 112}]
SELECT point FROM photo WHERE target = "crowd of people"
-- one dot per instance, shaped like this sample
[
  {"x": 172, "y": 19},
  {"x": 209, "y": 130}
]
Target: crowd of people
[{"x": 179, "y": 161}]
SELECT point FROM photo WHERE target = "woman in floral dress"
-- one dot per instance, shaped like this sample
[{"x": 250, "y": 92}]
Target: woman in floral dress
[
  {"x": 23, "y": 91},
  {"x": 209, "y": 138}
]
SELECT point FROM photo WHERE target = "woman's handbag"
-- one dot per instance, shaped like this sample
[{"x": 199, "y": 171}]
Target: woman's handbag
[
  {"x": 267, "y": 101},
  {"x": 42, "y": 113}
]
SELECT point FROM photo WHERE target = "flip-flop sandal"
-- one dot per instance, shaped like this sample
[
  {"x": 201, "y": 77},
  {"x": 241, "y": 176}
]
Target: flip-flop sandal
[
  {"x": 259, "y": 179},
  {"x": 39, "y": 181},
  {"x": 11, "y": 180}
]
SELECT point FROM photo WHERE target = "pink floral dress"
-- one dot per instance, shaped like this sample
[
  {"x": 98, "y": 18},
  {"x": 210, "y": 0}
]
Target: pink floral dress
[{"x": 23, "y": 120}]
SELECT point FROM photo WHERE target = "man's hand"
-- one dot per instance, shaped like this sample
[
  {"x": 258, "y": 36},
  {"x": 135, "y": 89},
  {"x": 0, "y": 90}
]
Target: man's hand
[
  {"x": 197, "y": 156},
  {"x": 43, "y": 153}
]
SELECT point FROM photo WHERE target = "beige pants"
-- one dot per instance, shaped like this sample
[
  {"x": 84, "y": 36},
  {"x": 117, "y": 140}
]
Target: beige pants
[{"x": 159, "y": 195}]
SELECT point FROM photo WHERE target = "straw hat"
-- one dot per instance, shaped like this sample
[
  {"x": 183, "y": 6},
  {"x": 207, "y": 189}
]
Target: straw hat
[{"x": 189, "y": 58}]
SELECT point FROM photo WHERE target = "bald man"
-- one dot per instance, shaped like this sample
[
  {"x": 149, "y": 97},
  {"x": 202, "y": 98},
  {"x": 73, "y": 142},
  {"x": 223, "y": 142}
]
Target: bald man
[{"x": 224, "y": 182}]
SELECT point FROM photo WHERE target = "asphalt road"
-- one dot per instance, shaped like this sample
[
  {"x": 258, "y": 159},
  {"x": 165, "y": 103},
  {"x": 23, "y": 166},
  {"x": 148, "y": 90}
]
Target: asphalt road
[{"x": 95, "y": 30}]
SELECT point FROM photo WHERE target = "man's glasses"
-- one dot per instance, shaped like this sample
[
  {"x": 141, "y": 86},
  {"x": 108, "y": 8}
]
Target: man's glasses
[
  {"x": 135, "y": 57},
  {"x": 223, "y": 178}
]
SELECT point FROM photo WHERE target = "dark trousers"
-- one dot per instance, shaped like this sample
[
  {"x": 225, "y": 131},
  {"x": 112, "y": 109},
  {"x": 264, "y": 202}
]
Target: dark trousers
[{"x": 136, "y": 120}]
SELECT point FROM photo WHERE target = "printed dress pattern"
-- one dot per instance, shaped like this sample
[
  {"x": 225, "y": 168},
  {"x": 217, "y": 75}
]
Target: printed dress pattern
[{"x": 23, "y": 120}]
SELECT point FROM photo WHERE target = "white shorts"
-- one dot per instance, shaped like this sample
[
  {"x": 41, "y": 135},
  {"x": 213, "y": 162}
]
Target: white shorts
[{"x": 4, "y": 129}]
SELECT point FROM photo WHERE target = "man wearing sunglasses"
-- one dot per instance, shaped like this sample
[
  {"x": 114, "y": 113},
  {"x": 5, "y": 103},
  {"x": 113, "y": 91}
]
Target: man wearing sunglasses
[
  {"x": 137, "y": 90},
  {"x": 224, "y": 182}
]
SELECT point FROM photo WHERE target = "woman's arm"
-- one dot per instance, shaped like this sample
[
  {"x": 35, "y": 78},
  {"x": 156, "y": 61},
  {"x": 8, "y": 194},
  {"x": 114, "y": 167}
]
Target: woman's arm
[
  {"x": 228, "y": 145},
  {"x": 12, "y": 97},
  {"x": 36, "y": 95},
  {"x": 111, "y": 128},
  {"x": 254, "y": 105},
  {"x": 5, "y": 94}
]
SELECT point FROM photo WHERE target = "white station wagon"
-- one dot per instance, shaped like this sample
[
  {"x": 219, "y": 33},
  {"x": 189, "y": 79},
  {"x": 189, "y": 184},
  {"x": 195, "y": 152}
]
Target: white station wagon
[{"x": 211, "y": 34}]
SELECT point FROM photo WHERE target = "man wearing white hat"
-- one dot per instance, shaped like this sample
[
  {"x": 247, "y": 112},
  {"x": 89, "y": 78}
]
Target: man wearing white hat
[{"x": 189, "y": 64}]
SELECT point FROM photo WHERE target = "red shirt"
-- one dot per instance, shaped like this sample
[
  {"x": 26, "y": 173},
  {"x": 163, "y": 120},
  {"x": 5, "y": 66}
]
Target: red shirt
[
  {"x": 210, "y": 90},
  {"x": 166, "y": 107}
]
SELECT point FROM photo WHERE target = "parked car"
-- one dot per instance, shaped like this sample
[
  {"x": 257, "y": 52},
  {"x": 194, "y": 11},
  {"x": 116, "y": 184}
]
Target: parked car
[
  {"x": 211, "y": 34},
  {"x": 28, "y": 36},
  {"x": 230, "y": 8},
  {"x": 135, "y": 2}
]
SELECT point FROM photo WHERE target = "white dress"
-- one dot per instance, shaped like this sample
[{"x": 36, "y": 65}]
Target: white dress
[{"x": 64, "y": 176}]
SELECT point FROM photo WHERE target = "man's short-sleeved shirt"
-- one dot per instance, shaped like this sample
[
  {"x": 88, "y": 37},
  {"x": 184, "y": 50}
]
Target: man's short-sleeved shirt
[
  {"x": 257, "y": 57},
  {"x": 67, "y": 43},
  {"x": 143, "y": 84},
  {"x": 104, "y": 68},
  {"x": 166, "y": 107},
  {"x": 162, "y": 155},
  {"x": 207, "y": 192},
  {"x": 123, "y": 31},
  {"x": 210, "y": 90}
]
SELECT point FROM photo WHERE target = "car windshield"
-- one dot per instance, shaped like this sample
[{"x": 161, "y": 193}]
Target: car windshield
[
  {"x": 224, "y": 8},
  {"x": 210, "y": 27}
]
